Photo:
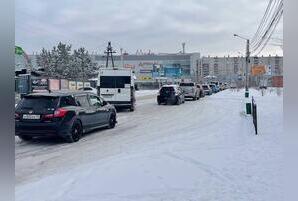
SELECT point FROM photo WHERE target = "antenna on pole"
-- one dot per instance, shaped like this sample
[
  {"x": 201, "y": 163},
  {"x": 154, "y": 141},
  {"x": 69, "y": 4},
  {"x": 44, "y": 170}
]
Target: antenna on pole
[
  {"x": 109, "y": 53},
  {"x": 183, "y": 48}
]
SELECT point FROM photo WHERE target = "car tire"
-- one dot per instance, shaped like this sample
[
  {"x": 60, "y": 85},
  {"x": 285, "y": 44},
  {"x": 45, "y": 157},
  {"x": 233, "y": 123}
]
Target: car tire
[
  {"x": 178, "y": 101},
  {"x": 112, "y": 121},
  {"x": 75, "y": 133},
  {"x": 25, "y": 138},
  {"x": 132, "y": 108}
]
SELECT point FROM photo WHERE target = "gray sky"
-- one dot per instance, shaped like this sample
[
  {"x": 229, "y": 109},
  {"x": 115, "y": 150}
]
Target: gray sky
[{"x": 207, "y": 26}]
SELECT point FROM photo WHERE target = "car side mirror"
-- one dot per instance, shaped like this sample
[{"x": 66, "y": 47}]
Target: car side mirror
[{"x": 104, "y": 103}]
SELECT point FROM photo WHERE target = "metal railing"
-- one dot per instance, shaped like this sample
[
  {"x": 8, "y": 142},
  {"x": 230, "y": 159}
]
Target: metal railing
[{"x": 254, "y": 114}]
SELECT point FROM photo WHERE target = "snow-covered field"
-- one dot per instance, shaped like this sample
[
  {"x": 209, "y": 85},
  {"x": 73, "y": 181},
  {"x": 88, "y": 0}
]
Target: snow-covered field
[{"x": 201, "y": 150}]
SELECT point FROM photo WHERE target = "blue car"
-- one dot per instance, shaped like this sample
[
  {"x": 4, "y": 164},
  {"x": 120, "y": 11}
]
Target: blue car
[{"x": 214, "y": 88}]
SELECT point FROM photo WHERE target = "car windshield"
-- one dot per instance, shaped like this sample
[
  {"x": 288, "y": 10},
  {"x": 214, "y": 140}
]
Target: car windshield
[
  {"x": 39, "y": 102},
  {"x": 187, "y": 84}
]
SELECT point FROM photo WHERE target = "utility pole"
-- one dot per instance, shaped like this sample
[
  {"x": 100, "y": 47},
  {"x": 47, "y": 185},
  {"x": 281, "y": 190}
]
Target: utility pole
[
  {"x": 122, "y": 62},
  {"x": 247, "y": 61},
  {"x": 109, "y": 53},
  {"x": 246, "y": 66}
]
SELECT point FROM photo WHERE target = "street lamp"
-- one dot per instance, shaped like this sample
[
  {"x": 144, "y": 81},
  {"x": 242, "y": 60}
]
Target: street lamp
[{"x": 247, "y": 62}]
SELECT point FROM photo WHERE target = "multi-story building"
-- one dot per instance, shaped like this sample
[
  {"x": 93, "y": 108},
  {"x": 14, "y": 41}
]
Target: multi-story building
[{"x": 230, "y": 69}]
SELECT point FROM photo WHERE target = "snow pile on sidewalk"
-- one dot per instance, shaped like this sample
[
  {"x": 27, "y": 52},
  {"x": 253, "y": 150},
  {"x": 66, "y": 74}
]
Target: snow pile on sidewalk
[{"x": 221, "y": 160}]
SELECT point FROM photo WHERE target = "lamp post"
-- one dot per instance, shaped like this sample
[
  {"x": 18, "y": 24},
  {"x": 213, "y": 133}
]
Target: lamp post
[{"x": 246, "y": 63}]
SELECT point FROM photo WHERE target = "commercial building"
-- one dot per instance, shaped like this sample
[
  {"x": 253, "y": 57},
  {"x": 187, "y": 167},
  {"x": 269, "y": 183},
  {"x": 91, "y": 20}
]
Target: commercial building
[{"x": 152, "y": 67}]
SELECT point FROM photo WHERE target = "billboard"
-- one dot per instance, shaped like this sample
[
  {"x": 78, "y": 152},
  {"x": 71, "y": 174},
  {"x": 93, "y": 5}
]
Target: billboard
[
  {"x": 79, "y": 85},
  {"x": 258, "y": 70},
  {"x": 87, "y": 84},
  {"x": 39, "y": 84},
  {"x": 64, "y": 84},
  {"x": 54, "y": 84},
  {"x": 172, "y": 72},
  {"x": 72, "y": 85}
]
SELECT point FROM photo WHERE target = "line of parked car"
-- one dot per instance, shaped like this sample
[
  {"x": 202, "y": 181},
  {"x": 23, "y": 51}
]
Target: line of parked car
[
  {"x": 177, "y": 94},
  {"x": 70, "y": 114}
]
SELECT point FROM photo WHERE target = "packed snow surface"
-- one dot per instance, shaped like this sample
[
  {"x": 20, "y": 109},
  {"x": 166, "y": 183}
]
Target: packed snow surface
[{"x": 201, "y": 150}]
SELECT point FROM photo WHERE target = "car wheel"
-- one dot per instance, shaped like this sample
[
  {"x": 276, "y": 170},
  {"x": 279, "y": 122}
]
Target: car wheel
[
  {"x": 76, "y": 132},
  {"x": 25, "y": 138},
  {"x": 178, "y": 101},
  {"x": 112, "y": 121},
  {"x": 132, "y": 108}
]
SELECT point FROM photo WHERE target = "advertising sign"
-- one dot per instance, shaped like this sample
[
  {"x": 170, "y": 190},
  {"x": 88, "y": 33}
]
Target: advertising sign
[
  {"x": 87, "y": 84},
  {"x": 172, "y": 72},
  {"x": 79, "y": 85},
  {"x": 64, "y": 84},
  {"x": 145, "y": 71},
  {"x": 72, "y": 85},
  {"x": 54, "y": 84},
  {"x": 129, "y": 66},
  {"x": 258, "y": 70},
  {"x": 39, "y": 84}
]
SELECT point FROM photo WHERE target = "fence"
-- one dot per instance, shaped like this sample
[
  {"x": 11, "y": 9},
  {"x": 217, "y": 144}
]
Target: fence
[
  {"x": 254, "y": 114},
  {"x": 26, "y": 84}
]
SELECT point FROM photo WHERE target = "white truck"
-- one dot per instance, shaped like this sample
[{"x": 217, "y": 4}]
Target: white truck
[{"x": 116, "y": 86}]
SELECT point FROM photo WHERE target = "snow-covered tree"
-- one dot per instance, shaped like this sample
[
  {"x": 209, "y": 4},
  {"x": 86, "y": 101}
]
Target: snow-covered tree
[{"x": 60, "y": 63}]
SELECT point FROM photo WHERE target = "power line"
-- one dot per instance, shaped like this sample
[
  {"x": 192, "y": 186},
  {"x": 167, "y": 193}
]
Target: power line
[
  {"x": 270, "y": 28},
  {"x": 279, "y": 17},
  {"x": 262, "y": 22}
]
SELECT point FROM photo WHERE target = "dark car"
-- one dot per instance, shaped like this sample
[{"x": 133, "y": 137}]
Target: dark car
[
  {"x": 170, "y": 94},
  {"x": 62, "y": 114}
]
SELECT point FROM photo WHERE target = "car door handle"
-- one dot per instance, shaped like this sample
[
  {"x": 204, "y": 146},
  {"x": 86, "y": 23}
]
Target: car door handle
[{"x": 102, "y": 109}]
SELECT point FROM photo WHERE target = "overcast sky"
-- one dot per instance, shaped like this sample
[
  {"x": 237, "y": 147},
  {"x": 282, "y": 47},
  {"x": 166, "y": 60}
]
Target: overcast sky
[{"x": 206, "y": 26}]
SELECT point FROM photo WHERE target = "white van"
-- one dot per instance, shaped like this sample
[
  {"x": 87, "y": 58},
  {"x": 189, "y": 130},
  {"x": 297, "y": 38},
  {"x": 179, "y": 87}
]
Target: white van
[{"x": 116, "y": 86}]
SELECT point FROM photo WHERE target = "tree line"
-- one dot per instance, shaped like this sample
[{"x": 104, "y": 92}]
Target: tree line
[{"x": 61, "y": 62}]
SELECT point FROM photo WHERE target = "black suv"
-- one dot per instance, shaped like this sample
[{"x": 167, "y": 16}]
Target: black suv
[
  {"x": 63, "y": 113},
  {"x": 170, "y": 94}
]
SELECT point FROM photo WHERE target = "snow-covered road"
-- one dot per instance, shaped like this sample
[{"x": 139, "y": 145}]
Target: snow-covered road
[{"x": 201, "y": 150}]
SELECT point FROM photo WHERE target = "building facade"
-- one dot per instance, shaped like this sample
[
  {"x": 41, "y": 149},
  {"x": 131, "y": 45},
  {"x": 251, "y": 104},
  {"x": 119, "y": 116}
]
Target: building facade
[
  {"x": 188, "y": 66},
  {"x": 150, "y": 67},
  {"x": 232, "y": 69}
]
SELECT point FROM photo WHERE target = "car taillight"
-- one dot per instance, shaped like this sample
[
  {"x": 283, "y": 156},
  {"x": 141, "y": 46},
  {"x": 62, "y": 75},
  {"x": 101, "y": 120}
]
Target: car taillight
[
  {"x": 59, "y": 113},
  {"x": 17, "y": 116}
]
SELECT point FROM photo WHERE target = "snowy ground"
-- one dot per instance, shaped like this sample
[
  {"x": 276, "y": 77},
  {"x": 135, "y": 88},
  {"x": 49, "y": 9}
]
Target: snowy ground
[{"x": 201, "y": 150}]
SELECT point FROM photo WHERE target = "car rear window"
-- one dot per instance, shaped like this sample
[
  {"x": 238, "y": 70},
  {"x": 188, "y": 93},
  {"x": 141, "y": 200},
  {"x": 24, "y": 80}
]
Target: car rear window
[
  {"x": 67, "y": 101},
  {"x": 187, "y": 84},
  {"x": 167, "y": 89},
  {"x": 205, "y": 87},
  {"x": 39, "y": 102},
  {"x": 114, "y": 81}
]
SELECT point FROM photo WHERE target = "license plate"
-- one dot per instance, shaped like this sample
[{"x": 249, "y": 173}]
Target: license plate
[{"x": 31, "y": 116}]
